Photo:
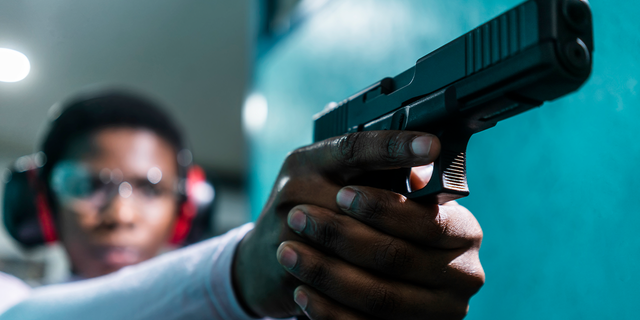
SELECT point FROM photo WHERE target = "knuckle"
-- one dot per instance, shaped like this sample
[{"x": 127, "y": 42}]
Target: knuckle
[
  {"x": 473, "y": 230},
  {"x": 476, "y": 280},
  {"x": 299, "y": 160},
  {"x": 285, "y": 191},
  {"x": 328, "y": 234},
  {"x": 441, "y": 225},
  {"x": 393, "y": 256},
  {"x": 395, "y": 148},
  {"x": 293, "y": 159},
  {"x": 452, "y": 308},
  {"x": 454, "y": 228},
  {"x": 460, "y": 310},
  {"x": 458, "y": 313},
  {"x": 318, "y": 275},
  {"x": 371, "y": 208},
  {"x": 470, "y": 279},
  {"x": 434, "y": 221},
  {"x": 294, "y": 154},
  {"x": 381, "y": 300},
  {"x": 477, "y": 234},
  {"x": 346, "y": 149}
]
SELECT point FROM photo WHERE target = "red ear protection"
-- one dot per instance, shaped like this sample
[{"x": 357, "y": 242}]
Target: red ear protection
[
  {"x": 43, "y": 210},
  {"x": 46, "y": 219},
  {"x": 189, "y": 208}
]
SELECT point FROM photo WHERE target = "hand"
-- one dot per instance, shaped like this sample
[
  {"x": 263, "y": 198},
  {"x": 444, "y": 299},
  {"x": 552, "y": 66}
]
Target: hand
[
  {"x": 388, "y": 258},
  {"x": 313, "y": 175}
]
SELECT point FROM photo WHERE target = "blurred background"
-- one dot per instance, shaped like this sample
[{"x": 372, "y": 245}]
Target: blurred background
[{"x": 555, "y": 189}]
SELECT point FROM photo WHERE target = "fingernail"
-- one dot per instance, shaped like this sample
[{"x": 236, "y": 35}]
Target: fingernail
[
  {"x": 345, "y": 198},
  {"x": 421, "y": 146},
  {"x": 297, "y": 220},
  {"x": 287, "y": 257},
  {"x": 301, "y": 298}
]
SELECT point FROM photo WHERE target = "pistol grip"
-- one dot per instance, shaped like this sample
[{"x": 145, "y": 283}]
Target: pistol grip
[{"x": 449, "y": 179}]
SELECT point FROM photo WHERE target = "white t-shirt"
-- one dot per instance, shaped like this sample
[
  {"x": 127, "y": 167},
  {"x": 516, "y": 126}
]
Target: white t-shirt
[
  {"x": 12, "y": 291},
  {"x": 190, "y": 283}
]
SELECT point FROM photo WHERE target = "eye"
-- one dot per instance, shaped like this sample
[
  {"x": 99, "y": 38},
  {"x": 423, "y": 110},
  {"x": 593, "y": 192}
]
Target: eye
[
  {"x": 150, "y": 190},
  {"x": 78, "y": 187},
  {"x": 72, "y": 180}
]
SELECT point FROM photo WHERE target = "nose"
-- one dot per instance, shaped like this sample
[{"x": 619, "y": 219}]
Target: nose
[{"x": 120, "y": 212}]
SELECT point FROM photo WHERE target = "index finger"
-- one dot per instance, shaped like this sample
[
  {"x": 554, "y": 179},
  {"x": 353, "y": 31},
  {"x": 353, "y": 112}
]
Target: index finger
[{"x": 372, "y": 151}]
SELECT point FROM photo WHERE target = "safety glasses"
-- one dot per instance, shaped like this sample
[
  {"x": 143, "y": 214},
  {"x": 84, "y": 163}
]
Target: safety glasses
[{"x": 75, "y": 181}]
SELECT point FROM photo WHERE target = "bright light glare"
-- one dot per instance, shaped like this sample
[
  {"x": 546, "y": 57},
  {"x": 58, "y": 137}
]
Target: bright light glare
[
  {"x": 254, "y": 113},
  {"x": 125, "y": 189},
  {"x": 154, "y": 175},
  {"x": 14, "y": 66},
  {"x": 203, "y": 193}
]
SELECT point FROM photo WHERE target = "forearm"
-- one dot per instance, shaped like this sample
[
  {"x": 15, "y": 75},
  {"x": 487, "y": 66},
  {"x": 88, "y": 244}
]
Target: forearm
[{"x": 190, "y": 283}]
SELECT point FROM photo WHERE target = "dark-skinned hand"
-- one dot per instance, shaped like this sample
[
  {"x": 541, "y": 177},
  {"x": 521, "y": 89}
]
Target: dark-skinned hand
[{"x": 355, "y": 252}]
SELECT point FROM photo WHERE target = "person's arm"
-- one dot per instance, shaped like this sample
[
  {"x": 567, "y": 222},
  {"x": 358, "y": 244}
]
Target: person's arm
[{"x": 191, "y": 283}]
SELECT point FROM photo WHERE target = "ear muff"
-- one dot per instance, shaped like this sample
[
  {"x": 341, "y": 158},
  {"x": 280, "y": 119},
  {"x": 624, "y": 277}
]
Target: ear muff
[
  {"x": 194, "y": 213},
  {"x": 26, "y": 212}
]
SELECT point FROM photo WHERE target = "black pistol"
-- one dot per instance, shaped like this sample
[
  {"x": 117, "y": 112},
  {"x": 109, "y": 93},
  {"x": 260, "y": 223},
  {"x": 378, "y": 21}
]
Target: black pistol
[{"x": 535, "y": 52}]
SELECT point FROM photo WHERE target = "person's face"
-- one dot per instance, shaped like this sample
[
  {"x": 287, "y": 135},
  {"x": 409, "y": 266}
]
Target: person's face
[{"x": 117, "y": 199}]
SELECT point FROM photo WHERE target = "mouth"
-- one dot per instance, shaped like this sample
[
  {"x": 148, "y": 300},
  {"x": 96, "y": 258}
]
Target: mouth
[{"x": 119, "y": 256}]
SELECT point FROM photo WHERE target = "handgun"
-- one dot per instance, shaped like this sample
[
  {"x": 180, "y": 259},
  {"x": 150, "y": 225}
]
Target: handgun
[{"x": 538, "y": 51}]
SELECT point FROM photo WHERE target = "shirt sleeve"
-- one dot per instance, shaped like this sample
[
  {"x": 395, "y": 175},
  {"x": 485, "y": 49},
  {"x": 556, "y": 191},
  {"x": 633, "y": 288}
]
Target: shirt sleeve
[
  {"x": 190, "y": 283},
  {"x": 12, "y": 291}
]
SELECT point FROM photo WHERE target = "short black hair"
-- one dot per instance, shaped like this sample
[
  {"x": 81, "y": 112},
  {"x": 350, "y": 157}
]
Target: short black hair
[{"x": 89, "y": 113}]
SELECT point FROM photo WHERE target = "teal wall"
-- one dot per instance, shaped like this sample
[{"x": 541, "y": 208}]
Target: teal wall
[{"x": 556, "y": 190}]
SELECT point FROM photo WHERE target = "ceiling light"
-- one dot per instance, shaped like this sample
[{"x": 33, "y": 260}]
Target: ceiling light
[{"x": 14, "y": 66}]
